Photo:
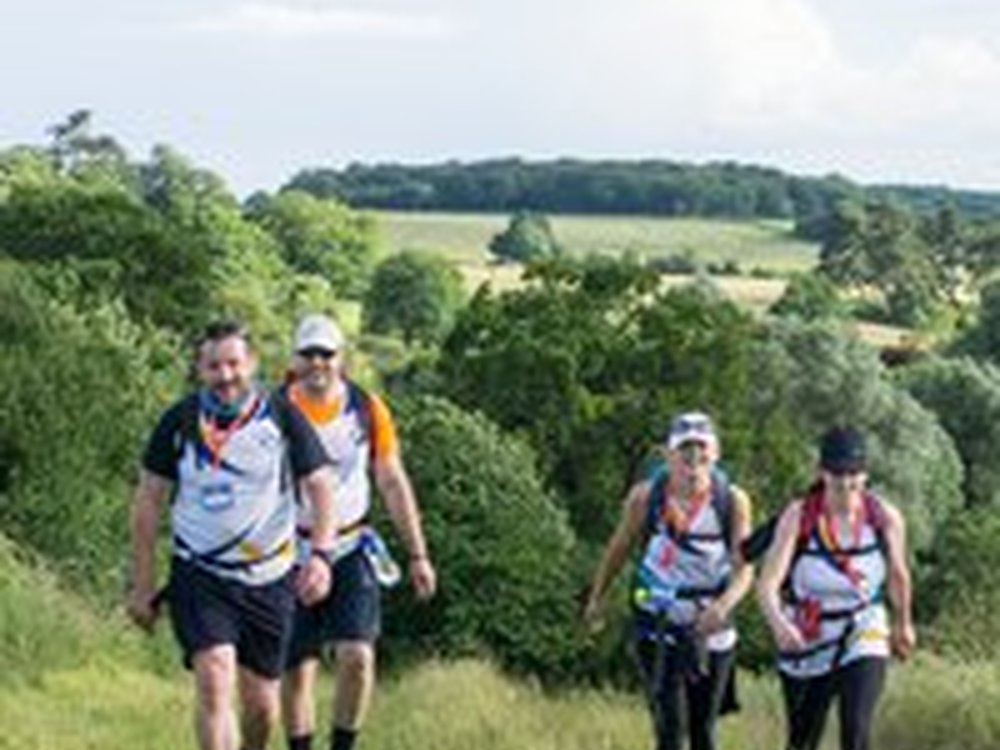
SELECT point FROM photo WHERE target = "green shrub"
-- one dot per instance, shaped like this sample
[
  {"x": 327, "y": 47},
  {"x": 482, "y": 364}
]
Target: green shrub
[
  {"x": 502, "y": 548},
  {"x": 78, "y": 393},
  {"x": 960, "y": 592}
]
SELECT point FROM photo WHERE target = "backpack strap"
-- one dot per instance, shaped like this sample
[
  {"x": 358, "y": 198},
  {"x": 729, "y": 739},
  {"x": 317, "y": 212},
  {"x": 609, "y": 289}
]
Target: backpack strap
[
  {"x": 360, "y": 401},
  {"x": 721, "y": 502},
  {"x": 187, "y": 425}
]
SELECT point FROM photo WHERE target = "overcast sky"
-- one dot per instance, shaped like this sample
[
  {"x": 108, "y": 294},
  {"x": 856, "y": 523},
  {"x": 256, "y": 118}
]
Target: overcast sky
[{"x": 878, "y": 90}]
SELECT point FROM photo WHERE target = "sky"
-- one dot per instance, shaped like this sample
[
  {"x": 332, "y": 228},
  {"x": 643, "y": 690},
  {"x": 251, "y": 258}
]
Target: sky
[{"x": 902, "y": 91}]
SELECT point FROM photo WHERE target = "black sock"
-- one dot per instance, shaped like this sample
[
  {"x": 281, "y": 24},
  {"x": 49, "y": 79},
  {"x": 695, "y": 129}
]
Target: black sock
[
  {"x": 300, "y": 742},
  {"x": 343, "y": 739}
]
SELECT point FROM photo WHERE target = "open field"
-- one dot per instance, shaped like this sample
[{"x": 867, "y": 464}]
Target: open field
[{"x": 466, "y": 237}]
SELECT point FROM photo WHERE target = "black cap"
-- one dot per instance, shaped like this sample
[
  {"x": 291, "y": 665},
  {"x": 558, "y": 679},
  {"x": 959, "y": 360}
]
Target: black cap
[{"x": 842, "y": 451}]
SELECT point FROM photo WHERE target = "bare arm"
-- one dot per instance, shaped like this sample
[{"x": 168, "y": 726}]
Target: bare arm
[
  {"x": 772, "y": 576},
  {"x": 313, "y": 579},
  {"x": 900, "y": 591},
  {"x": 715, "y": 617},
  {"x": 617, "y": 550},
  {"x": 151, "y": 496},
  {"x": 401, "y": 502}
]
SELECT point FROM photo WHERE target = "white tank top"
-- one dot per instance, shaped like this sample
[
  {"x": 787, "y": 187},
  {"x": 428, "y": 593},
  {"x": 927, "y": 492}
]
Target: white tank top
[{"x": 854, "y": 621}]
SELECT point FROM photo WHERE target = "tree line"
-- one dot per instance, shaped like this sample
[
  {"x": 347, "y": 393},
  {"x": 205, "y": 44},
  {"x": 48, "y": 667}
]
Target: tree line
[{"x": 648, "y": 187}]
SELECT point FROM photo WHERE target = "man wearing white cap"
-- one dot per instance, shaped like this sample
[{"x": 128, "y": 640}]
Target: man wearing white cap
[
  {"x": 357, "y": 430},
  {"x": 690, "y": 521}
]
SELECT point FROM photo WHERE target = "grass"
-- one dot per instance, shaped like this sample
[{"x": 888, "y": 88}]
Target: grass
[
  {"x": 464, "y": 238},
  {"x": 73, "y": 679}
]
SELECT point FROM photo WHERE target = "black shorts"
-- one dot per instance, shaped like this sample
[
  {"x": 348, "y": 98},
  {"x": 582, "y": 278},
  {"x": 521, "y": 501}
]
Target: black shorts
[
  {"x": 206, "y": 611},
  {"x": 352, "y": 611}
]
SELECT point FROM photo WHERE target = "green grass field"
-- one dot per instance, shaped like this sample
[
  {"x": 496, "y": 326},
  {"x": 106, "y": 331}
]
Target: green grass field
[
  {"x": 73, "y": 679},
  {"x": 465, "y": 238}
]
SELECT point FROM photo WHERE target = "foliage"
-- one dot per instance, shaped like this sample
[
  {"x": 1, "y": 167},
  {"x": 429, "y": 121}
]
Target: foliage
[
  {"x": 961, "y": 595},
  {"x": 965, "y": 397},
  {"x": 528, "y": 237},
  {"x": 413, "y": 295},
  {"x": 79, "y": 389},
  {"x": 503, "y": 546},
  {"x": 649, "y": 187},
  {"x": 321, "y": 237},
  {"x": 981, "y": 340},
  {"x": 809, "y": 296},
  {"x": 881, "y": 245},
  {"x": 811, "y": 376}
]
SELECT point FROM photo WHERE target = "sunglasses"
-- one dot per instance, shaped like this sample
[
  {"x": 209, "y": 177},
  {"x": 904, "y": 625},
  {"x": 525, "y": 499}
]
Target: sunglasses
[{"x": 316, "y": 351}]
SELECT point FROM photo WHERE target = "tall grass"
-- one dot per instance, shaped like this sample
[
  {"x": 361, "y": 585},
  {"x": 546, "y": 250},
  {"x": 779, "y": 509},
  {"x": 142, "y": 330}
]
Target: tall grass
[{"x": 73, "y": 679}]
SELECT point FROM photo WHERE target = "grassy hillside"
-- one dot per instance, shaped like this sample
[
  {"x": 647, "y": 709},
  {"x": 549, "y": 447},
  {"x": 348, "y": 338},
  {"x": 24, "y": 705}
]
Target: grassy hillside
[
  {"x": 75, "y": 680},
  {"x": 465, "y": 237}
]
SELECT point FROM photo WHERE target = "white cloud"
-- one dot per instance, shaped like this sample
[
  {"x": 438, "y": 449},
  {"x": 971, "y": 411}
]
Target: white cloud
[{"x": 283, "y": 21}]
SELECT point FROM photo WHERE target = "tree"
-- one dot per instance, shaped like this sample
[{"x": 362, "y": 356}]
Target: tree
[
  {"x": 414, "y": 295},
  {"x": 981, "y": 340},
  {"x": 322, "y": 237},
  {"x": 811, "y": 376},
  {"x": 505, "y": 544},
  {"x": 965, "y": 396},
  {"x": 527, "y": 237},
  {"x": 809, "y": 296},
  {"x": 79, "y": 387}
]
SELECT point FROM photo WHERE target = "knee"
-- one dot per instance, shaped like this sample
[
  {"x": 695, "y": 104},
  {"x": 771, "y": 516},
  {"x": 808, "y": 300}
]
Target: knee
[
  {"x": 215, "y": 675},
  {"x": 261, "y": 700},
  {"x": 355, "y": 659}
]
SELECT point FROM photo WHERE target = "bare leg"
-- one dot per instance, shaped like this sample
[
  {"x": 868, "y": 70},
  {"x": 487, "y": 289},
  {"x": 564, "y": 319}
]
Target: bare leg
[
  {"x": 260, "y": 702},
  {"x": 297, "y": 698},
  {"x": 355, "y": 683},
  {"x": 215, "y": 677}
]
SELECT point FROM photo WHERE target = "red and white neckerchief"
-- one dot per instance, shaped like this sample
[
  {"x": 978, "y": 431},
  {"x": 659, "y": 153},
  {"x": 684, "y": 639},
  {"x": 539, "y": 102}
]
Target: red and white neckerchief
[
  {"x": 679, "y": 522},
  {"x": 829, "y": 537}
]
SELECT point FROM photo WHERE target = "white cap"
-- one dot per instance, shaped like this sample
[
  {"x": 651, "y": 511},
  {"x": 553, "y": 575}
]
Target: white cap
[
  {"x": 692, "y": 426},
  {"x": 318, "y": 332}
]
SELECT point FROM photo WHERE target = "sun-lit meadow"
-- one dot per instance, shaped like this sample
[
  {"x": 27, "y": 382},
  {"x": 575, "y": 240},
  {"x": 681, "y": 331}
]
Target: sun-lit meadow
[
  {"x": 465, "y": 237},
  {"x": 767, "y": 245}
]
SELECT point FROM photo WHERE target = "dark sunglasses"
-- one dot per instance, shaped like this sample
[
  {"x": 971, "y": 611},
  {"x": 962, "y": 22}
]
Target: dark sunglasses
[{"x": 315, "y": 351}]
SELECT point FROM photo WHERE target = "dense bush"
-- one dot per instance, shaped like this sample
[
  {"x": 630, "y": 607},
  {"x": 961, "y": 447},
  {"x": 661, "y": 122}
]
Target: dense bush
[
  {"x": 78, "y": 391},
  {"x": 502, "y": 546},
  {"x": 960, "y": 593},
  {"x": 965, "y": 396},
  {"x": 809, "y": 296},
  {"x": 414, "y": 296}
]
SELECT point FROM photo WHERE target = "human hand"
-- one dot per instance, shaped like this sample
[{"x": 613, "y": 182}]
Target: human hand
[
  {"x": 423, "y": 577},
  {"x": 140, "y": 606},
  {"x": 313, "y": 580},
  {"x": 787, "y": 635},
  {"x": 593, "y": 614},
  {"x": 710, "y": 620},
  {"x": 902, "y": 640}
]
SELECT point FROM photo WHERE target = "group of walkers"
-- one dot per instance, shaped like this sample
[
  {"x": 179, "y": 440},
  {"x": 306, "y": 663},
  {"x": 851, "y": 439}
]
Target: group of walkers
[
  {"x": 833, "y": 559},
  {"x": 273, "y": 556},
  {"x": 273, "y": 559}
]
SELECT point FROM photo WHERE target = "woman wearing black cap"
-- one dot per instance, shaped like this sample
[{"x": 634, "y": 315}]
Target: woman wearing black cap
[{"x": 838, "y": 554}]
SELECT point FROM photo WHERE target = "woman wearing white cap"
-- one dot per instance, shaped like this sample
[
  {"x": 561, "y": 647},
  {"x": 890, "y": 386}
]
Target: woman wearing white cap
[
  {"x": 690, "y": 522},
  {"x": 838, "y": 553}
]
